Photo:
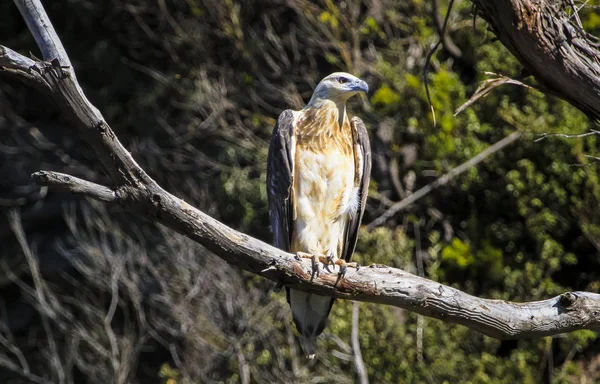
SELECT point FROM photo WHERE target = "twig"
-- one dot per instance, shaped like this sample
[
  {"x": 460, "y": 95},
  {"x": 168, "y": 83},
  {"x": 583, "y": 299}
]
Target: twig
[
  {"x": 447, "y": 43},
  {"x": 399, "y": 206},
  {"x": 567, "y": 136},
  {"x": 361, "y": 369},
  {"x": 430, "y": 55},
  {"x": 486, "y": 87},
  {"x": 75, "y": 185},
  {"x": 576, "y": 14},
  {"x": 394, "y": 172},
  {"x": 565, "y": 364},
  {"x": 244, "y": 367},
  {"x": 107, "y": 323},
  {"x": 420, "y": 272}
]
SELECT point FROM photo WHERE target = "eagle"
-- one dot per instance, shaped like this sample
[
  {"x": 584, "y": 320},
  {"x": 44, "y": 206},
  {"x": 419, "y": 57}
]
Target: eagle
[{"x": 318, "y": 171}]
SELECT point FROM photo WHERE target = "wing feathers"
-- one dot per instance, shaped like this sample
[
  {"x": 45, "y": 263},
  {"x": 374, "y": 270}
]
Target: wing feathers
[
  {"x": 362, "y": 161},
  {"x": 280, "y": 175}
]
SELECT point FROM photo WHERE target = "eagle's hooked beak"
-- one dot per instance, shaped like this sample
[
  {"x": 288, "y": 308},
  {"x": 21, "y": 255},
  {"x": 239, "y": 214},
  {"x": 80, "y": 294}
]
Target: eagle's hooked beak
[{"x": 360, "y": 86}]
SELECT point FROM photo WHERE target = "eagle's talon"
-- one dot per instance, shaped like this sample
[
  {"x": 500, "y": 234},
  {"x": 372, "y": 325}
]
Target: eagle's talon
[
  {"x": 329, "y": 261},
  {"x": 315, "y": 268},
  {"x": 313, "y": 261},
  {"x": 342, "y": 264},
  {"x": 340, "y": 276}
]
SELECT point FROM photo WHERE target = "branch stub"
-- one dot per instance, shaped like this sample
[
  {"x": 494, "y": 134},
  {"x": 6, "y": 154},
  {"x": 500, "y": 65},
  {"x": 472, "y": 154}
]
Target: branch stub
[{"x": 567, "y": 299}]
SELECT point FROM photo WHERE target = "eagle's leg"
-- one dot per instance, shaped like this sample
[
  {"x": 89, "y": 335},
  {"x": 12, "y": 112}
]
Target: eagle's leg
[{"x": 315, "y": 259}]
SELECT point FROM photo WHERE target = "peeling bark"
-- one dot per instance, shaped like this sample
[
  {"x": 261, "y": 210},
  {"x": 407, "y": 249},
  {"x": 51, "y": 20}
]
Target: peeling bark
[{"x": 553, "y": 48}]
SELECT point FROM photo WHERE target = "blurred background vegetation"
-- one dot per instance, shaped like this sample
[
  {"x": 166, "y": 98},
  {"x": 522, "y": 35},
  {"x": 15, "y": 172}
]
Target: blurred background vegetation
[{"x": 193, "y": 89}]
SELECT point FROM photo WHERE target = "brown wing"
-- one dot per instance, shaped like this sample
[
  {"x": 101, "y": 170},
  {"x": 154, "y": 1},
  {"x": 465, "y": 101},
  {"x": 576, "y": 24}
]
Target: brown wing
[
  {"x": 280, "y": 176},
  {"x": 362, "y": 158}
]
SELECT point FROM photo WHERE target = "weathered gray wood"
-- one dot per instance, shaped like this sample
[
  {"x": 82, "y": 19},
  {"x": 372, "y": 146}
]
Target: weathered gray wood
[
  {"x": 551, "y": 46},
  {"x": 75, "y": 185},
  {"x": 138, "y": 193},
  {"x": 43, "y": 31}
]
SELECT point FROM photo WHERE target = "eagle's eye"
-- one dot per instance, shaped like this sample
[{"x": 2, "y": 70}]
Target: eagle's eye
[{"x": 342, "y": 80}]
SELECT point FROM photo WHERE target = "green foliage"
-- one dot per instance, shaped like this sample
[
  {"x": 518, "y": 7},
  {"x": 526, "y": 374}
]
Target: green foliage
[
  {"x": 458, "y": 254},
  {"x": 386, "y": 98}
]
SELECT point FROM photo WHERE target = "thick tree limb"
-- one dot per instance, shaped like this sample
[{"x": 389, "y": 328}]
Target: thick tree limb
[
  {"x": 562, "y": 56},
  {"x": 138, "y": 193}
]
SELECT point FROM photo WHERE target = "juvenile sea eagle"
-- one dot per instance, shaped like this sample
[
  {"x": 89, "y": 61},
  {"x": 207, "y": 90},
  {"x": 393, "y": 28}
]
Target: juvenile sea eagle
[{"x": 318, "y": 172}]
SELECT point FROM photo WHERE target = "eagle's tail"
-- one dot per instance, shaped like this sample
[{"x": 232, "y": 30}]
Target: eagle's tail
[{"x": 310, "y": 314}]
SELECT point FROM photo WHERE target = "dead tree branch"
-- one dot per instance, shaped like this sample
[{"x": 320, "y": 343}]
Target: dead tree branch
[
  {"x": 486, "y": 87},
  {"x": 135, "y": 191}
]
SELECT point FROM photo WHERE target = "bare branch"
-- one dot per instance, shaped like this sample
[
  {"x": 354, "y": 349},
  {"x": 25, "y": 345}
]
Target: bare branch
[
  {"x": 486, "y": 87},
  {"x": 567, "y": 136},
  {"x": 421, "y": 273},
  {"x": 439, "y": 24},
  {"x": 23, "y": 67},
  {"x": 575, "y": 13},
  {"x": 42, "y": 30},
  {"x": 433, "y": 49},
  {"x": 592, "y": 157},
  {"x": 10, "y": 59},
  {"x": 140, "y": 194},
  {"x": 244, "y": 367},
  {"x": 402, "y": 204},
  {"x": 74, "y": 185},
  {"x": 361, "y": 370}
]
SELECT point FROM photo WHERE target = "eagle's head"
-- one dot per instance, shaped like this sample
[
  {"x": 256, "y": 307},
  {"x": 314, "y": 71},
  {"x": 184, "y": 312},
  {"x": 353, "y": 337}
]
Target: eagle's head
[{"x": 338, "y": 87}]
